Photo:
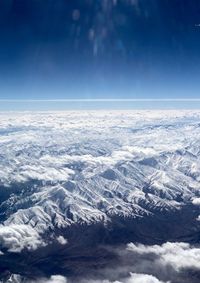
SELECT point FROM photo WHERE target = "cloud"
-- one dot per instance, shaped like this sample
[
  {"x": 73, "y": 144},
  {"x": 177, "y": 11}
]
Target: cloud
[
  {"x": 196, "y": 201},
  {"x": 39, "y": 145},
  {"x": 138, "y": 263},
  {"x": 142, "y": 278},
  {"x": 166, "y": 263},
  {"x": 62, "y": 240},
  {"x": 133, "y": 278},
  {"x": 17, "y": 237},
  {"x": 177, "y": 255},
  {"x": 55, "y": 279}
]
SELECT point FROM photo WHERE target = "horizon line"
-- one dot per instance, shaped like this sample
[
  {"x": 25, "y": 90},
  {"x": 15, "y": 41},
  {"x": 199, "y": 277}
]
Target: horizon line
[{"x": 106, "y": 100}]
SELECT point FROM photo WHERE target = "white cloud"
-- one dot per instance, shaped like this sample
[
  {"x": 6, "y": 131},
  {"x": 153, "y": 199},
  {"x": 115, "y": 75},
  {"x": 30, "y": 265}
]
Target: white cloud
[
  {"x": 17, "y": 237},
  {"x": 56, "y": 279},
  {"x": 153, "y": 264},
  {"x": 62, "y": 240},
  {"x": 177, "y": 255},
  {"x": 30, "y": 142},
  {"x": 142, "y": 278},
  {"x": 133, "y": 278},
  {"x": 196, "y": 201}
]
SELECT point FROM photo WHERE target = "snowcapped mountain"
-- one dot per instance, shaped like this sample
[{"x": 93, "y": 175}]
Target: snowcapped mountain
[
  {"x": 62, "y": 168},
  {"x": 70, "y": 181}
]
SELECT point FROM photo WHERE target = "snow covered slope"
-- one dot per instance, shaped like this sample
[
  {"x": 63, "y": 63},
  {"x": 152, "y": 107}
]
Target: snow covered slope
[{"x": 60, "y": 168}]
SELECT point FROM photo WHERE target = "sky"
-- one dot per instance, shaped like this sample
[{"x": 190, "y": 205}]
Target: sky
[{"x": 91, "y": 49}]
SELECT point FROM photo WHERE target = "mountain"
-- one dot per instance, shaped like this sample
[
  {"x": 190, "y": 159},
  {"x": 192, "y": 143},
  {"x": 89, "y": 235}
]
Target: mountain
[{"x": 71, "y": 181}]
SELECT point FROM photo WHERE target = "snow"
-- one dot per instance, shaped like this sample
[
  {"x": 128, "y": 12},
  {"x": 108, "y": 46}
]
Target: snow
[{"x": 59, "y": 168}]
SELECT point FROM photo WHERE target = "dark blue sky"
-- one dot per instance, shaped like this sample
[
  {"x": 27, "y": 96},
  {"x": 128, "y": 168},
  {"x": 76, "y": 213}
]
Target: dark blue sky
[{"x": 99, "y": 48}]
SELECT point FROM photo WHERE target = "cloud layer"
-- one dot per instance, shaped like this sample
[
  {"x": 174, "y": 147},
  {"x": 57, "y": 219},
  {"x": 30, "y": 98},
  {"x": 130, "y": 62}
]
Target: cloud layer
[
  {"x": 133, "y": 278},
  {"x": 54, "y": 279},
  {"x": 166, "y": 263},
  {"x": 176, "y": 255},
  {"x": 17, "y": 237}
]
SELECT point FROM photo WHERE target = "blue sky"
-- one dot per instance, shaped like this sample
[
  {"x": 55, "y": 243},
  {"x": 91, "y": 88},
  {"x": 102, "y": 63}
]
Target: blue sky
[
  {"x": 84, "y": 49},
  {"x": 97, "y": 104}
]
